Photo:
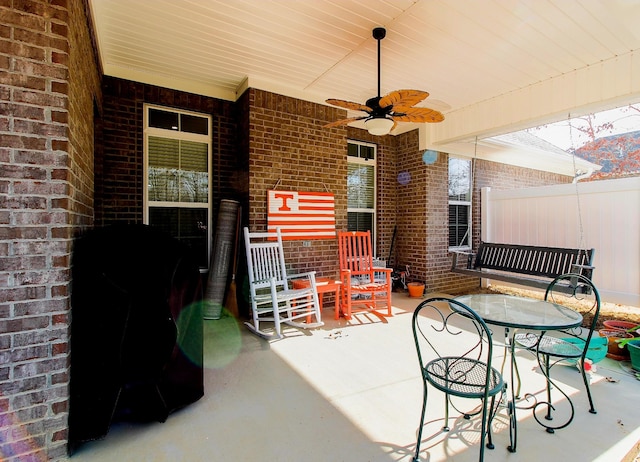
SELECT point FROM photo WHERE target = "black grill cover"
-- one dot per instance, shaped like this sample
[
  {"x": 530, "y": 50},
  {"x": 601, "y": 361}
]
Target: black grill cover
[{"x": 136, "y": 329}]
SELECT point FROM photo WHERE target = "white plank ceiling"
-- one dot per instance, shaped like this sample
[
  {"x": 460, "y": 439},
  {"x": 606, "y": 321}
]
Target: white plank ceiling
[{"x": 468, "y": 54}]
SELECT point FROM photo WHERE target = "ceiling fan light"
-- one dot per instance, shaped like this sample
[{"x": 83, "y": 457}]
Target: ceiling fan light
[{"x": 378, "y": 126}]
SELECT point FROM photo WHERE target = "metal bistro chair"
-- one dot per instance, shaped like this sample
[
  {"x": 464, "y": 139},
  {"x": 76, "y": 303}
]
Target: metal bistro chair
[
  {"x": 572, "y": 345},
  {"x": 455, "y": 348},
  {"x": 272, "y": 297}
]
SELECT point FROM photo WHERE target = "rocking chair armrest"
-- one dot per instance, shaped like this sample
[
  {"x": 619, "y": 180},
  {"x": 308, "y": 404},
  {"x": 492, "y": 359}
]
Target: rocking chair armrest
[
  {"x": 386, "y": 271},
  {"x": 306, "y": 275},
  {"x": 345, "y": 277},
  {"x": 262, "y": 281}
]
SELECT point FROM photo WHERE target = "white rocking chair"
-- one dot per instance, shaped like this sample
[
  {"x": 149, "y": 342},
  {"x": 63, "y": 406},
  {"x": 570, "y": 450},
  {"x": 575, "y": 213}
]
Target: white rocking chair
[{"x": 273, "y": 298}]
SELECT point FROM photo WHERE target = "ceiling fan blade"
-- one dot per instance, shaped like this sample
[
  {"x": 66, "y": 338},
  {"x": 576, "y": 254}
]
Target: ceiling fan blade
[
  {"x": 340, "y": 122},
  {"x": 418, "y": 114},
  {"x": 403, "y": 98},
  {"x": 349, "y": 105}
]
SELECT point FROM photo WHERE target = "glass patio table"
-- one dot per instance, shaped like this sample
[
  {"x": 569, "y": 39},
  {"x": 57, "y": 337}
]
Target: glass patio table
[{"x": 515, "y": 313}]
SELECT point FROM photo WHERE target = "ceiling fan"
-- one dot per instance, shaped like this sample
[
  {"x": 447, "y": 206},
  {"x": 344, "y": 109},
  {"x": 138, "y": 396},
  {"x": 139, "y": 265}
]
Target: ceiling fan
[{"x": 384, "y": 113}]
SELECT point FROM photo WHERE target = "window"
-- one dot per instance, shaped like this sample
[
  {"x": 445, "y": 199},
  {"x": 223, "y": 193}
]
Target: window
[
  {"x": 177, "y": 149},
  {"x": 361, "y": 187},
  {"x": 459, "y": 203}
]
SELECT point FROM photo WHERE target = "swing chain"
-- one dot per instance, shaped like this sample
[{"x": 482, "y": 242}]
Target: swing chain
[{"x": 581, "y": 244}]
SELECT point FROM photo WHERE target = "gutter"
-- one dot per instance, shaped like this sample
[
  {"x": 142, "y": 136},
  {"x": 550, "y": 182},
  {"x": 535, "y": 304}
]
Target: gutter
[{"x": 582, "y": 176}]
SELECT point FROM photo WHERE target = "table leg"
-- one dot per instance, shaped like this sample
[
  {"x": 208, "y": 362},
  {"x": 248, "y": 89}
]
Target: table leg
[{"x": 511, "y": 406}]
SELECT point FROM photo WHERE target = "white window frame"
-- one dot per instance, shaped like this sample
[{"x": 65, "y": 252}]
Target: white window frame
[
  {"x": 182, "y": 136},
  {"x": 468, "y": 204},
  {"x": 368, "y": 163}
]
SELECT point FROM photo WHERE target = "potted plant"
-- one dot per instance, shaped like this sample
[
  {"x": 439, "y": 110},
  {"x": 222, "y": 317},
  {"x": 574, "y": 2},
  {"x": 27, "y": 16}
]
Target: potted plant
[
  {"x": 416, "y": 289},
  {"x": 614, "y": 349},
  {"x": 633, "y": 347},
  {"x": 634, "y": 352}
]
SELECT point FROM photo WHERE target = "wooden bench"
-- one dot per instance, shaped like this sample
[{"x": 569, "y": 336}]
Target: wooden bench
[{"x": 526, "y": 265}]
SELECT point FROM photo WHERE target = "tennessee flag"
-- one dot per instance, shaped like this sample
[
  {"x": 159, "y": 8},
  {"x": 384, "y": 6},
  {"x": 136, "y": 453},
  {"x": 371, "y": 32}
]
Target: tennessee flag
[{"x": 301, "y": 215}]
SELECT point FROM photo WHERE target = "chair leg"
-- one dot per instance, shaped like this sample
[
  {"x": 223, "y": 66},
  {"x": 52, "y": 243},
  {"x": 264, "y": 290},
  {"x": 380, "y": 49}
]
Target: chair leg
[
  {"x": 390, "y": 286},
  {"x": 547, "y": 372},
  {"x": 276, "y": 318},
  {"x": 483, "y": 432},
  {"x": 492, "y": 413},
  {"x": 585, "y": 379},
  {"x": 416, "y": 458},
  {"x": 446, "y": 427},
  {"x": 345, "y": 292}
]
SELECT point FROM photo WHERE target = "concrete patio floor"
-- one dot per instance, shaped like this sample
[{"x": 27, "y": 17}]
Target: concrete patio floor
[{"x": 351, "y": 391}]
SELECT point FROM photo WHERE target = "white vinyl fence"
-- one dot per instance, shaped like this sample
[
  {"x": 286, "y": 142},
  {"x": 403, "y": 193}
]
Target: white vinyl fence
[{"x": 603, "y": 215}]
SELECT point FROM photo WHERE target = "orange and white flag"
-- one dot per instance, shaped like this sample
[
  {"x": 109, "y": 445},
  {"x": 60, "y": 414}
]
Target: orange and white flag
[{"x": 301, "y": 215}]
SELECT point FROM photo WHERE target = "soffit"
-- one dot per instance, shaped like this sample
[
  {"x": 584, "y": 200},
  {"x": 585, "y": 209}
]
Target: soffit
[{"x": 475, "y": 57}]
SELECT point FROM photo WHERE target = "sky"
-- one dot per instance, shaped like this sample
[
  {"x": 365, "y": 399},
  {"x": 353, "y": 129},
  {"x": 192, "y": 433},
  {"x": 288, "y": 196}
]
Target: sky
[{"x": 567, "y": 135}]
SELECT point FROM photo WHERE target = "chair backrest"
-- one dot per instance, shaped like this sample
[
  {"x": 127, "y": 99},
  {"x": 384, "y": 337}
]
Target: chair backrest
[
  {"x": 265, "y": 258},
  {"x": 355, "y": 252},
  {"x": 445, "y": 328},
  {"x": 583, "y": 297}
]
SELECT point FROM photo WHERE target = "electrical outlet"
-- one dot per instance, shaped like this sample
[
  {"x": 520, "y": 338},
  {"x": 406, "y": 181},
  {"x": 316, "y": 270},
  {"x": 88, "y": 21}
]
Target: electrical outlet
[{"x": 306, "y": 243}]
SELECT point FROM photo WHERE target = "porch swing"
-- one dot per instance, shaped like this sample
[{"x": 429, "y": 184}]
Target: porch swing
[{"x": 527, "y": 265}]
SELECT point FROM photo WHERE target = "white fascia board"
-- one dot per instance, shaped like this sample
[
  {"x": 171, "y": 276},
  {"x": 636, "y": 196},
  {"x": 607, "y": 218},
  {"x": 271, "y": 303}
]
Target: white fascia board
[{"x": 521, "y": 157}]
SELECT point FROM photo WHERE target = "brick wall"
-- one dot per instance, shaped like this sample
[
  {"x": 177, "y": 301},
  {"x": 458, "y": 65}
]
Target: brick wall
[
  {"x": 422, "y": 223},
  {"x": 119, "y": 193},
  {"x": 290, "y": 148},
  {"x": 386, "y": 173},
  {"x": 46, "y": 193}
]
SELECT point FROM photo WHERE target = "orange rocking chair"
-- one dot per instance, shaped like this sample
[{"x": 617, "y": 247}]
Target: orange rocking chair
[{"x": 364, "y": 287}]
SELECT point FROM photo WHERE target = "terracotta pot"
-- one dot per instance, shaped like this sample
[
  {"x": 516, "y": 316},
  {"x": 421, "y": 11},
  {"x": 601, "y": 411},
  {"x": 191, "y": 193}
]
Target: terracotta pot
[
  {"x": 621, "y": 325},
  {"x": 613, "y": 350},
  {"x": 416, "y": 289}
]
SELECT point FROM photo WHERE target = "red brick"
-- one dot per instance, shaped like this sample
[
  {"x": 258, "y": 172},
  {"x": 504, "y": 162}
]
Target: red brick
[
  {"x": 39, "y": 187},
  {"x": 26, "y": 21},
  {"x": 60, "y": 117},
  {"x": 21, "y": 80},
  {"x": 60, "y": 435},
  {"x": 22, "y": 111},
  {"x": 40, "y": 99},
  {"x": 60, "y": 58},
  {"x": 60, "y": 87},
  {"x": 28, "y": 67},
  {"x": 20, "y": 386},
  {"x": 23, "y": 142}
]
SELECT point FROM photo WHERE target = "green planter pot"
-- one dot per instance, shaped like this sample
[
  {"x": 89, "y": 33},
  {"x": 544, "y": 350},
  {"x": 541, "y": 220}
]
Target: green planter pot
[{"x": 634, "y": 351}]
